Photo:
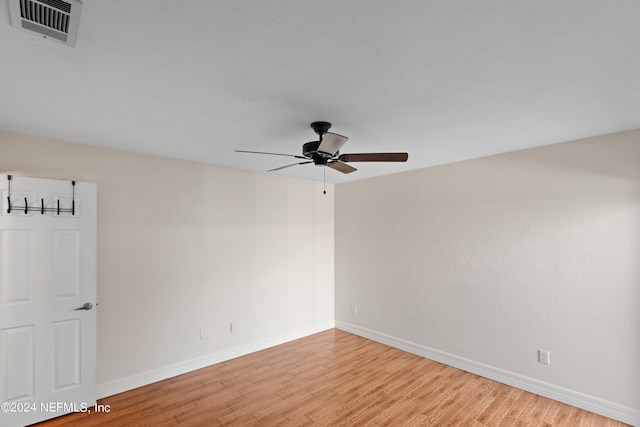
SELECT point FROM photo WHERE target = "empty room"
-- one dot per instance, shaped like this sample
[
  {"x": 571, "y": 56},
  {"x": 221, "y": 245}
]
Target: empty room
[{"x": 319, "y": 213}]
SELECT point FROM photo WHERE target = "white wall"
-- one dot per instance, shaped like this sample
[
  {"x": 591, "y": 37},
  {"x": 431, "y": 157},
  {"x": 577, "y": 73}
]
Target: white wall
[
  {"x": 184, "y": 246},
  {"x": 486, "y": 261}
]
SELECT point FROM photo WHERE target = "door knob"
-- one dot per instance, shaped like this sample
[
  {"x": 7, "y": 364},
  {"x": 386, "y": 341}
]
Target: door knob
[{"x": 86, "y": 306}]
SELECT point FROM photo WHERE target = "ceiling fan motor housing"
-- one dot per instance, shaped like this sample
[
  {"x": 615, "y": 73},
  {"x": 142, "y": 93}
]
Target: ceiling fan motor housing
[{"x": 310, "y": 150}]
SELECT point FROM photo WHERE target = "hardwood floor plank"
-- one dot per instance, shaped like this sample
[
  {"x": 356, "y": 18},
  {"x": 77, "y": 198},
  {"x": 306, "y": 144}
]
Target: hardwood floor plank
[{"x": 331, "y": 379}]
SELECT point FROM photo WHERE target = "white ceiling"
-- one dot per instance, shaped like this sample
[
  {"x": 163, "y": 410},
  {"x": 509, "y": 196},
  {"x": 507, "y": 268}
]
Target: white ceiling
[{"x": 442, "y": 80}]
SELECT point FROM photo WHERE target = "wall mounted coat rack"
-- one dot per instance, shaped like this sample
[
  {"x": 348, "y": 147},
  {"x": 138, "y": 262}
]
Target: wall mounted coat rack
[{"x": 41, "y": 208}]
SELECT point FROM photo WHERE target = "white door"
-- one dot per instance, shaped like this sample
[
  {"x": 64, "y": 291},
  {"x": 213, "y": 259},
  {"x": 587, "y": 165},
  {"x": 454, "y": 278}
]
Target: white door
[{"x": 47, "y": 271}]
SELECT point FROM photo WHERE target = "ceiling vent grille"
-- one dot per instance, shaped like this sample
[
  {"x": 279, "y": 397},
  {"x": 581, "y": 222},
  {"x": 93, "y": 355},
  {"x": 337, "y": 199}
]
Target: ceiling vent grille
[{"x": 56, "y": 19}]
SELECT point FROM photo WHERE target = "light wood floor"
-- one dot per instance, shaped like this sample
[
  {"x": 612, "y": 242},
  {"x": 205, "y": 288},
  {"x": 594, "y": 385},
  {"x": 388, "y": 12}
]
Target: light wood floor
[{"x": 331, "y": 379}]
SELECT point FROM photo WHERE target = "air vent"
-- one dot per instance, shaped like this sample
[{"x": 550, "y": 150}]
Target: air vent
[{"x": 55, "y": 19}]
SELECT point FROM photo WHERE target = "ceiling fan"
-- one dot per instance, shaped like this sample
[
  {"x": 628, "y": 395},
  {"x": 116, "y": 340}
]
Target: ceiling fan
[{"x": 325, "y": 152}]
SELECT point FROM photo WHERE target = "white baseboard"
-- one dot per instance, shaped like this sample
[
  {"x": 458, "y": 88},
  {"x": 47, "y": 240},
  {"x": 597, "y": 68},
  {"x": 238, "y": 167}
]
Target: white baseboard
[
  {"x": 580, "y": 400},
  {"x": 148, "y": 377}
]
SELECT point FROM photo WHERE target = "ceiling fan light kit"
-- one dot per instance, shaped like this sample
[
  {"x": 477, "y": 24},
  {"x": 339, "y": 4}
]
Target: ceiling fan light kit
[{"x": 326, "y": 152}]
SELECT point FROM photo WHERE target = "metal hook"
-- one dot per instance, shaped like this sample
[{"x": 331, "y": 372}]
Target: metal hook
[
  {"x": 9, "y": 195},
  {"x": 73, "y": 198}
]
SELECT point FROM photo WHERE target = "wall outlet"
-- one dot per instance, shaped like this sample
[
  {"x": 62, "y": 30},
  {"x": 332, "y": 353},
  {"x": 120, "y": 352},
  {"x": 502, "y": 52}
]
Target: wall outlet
[
  {"x": 544, "y": 357},
  {"x": 203, "y": 335},
  {"x": 232, "y": 327},
  {"x": 354, "y": 310}
]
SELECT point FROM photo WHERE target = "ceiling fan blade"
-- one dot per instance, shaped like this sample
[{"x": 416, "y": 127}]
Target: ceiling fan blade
[
  {"x": 374, "y": 157},
  {"x": 293, "y": 164},
  {"x": 341, "y": 167},
  {"x": 273, "y": 154},
  {"x": 331, "y": 143}
]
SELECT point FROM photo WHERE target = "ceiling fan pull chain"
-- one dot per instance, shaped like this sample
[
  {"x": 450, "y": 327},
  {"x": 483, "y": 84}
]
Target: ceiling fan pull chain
[{"x": 324, "y": 180}]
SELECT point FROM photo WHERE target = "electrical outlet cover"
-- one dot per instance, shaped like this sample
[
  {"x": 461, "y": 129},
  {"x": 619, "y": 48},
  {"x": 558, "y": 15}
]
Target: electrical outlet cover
[{"x": 544, "y": 357}]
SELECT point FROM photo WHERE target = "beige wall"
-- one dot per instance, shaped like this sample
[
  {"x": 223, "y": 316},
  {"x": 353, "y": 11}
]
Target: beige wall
[
  {"x": 489, "y": 260},
  {"x": 184, "y": 246}
]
